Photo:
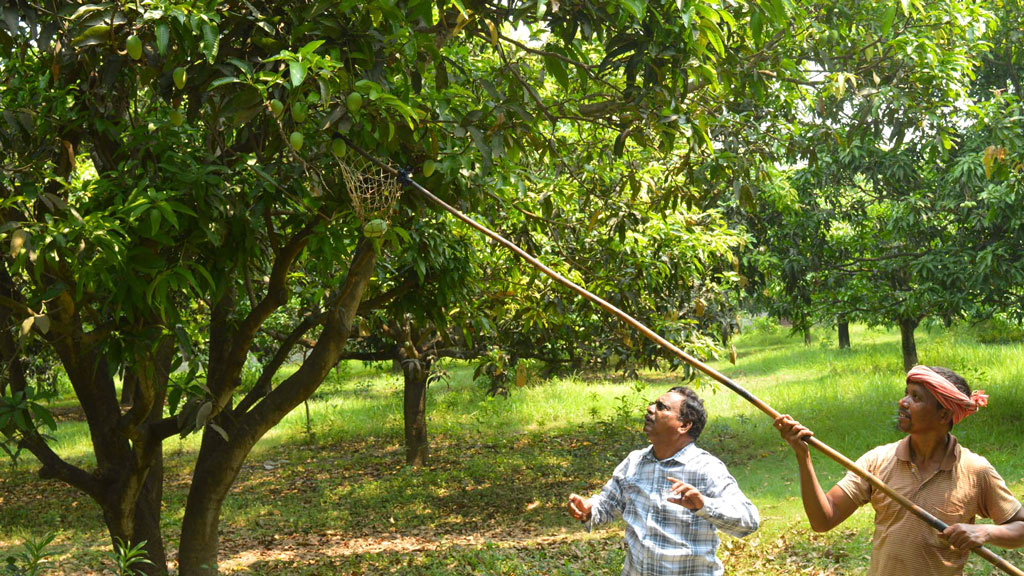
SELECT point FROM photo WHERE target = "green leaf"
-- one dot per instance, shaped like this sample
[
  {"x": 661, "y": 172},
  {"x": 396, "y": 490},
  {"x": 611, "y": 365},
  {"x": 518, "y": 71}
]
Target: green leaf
[
  {"x": 482, "y": 145},
  {"x": 163, "y": 38},
  {"x": 43, "y": 415},
  {"x": 241, "y": 65},
  {"x": 297, "y": 71},
  {"x": 402, "y": 233},
  {"x": 403, "y": 109},
  {"x": 157, "y": 292},
  {"x": 702, "y": 136},
  {"x": 779, "y": 12},
  {"x": 154, "y": 222},
  {"x": 211, "y": 41},
  {"x": 440, "y": 75},
  {"x": 187, "y": 275},
  {"x": 461, "y": 7},
  {"x": 173, "y": 397},
  {"x": 757, "y": 28},
  {"x": 223, "y": 433},
  {"x": 714, "y": 36},
  {"x": 888, "y": 18},
  {"x": 620, "y": 143},
  {"x": 93, "y": 35},
  {"x": 88, "y": 9},
  {"x": 168, "y": 213},
  {"x": 19, "y": 421},
  {"x": 242, "y": 105},
  {"x": 635, "y": 7},
  {"x": 556, "y": 68},
  {"x": 222, "y": 81},
  {"x": 707, "y": 12},
  {"x": 311, "y": 47}
]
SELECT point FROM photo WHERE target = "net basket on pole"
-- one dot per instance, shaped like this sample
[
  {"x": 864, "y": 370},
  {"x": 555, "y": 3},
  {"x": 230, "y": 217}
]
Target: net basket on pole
[{"x": 373, "y": 189}]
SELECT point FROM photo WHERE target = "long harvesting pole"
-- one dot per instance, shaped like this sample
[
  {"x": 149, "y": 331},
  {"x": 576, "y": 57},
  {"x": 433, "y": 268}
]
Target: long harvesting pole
[{"x": 838, "y": 457}]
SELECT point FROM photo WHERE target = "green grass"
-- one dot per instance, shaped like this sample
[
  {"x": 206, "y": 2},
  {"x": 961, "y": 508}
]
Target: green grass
[{"x": 331, "y": 495}]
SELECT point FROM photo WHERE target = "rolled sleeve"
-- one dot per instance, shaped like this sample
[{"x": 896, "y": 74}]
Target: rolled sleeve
[{"x": 735, "y": 515}]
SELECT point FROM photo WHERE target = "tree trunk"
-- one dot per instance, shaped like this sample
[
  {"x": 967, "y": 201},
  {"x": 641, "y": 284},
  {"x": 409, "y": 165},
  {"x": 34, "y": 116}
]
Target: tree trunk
[
  {"x": 844, "y": 333},
  {"x": 415, "y": 407},
  {"x": 220, "y": 460},
  {"x": 807, "y": 336},
  {"x": 909, "y": 345},
  {"x": 147, "y": 520},
  {"x": 215, "y": 472}
]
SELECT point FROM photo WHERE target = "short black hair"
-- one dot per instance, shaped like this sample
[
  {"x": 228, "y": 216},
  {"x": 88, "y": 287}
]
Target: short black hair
[
  {"x": 691, "y": 410},
  {"x": 954, "y": 379}
]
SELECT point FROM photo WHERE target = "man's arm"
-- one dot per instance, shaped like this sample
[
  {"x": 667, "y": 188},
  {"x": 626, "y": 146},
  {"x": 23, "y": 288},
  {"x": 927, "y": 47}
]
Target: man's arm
[
  {"x": 824, "y": 510},
  {"x": 1009, "y": 534},
  {"x": 601, "y": 508},
  {"x": 729, "y": 510}
]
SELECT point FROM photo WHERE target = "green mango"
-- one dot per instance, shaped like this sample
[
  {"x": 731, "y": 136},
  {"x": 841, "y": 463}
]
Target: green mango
[{"x": 133, "y": 45}]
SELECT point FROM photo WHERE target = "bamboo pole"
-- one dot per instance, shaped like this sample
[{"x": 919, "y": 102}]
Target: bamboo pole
[{"x": 838, "y": 457}]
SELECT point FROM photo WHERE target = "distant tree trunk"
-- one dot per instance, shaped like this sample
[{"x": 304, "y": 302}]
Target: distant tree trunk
[
  {"x": 844, "y": 333},
  {"x": 807, "y": 336},
  {"x": 909, "y": 345},
  {"x": 415, "y": 371},
  {"x": 574, "y": 361}
]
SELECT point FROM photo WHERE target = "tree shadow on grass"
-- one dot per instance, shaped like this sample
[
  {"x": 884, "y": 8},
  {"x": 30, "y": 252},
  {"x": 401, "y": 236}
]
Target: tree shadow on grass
[
  {"x": 515, "y": 552},
  {"x": 498, "y": 551}
]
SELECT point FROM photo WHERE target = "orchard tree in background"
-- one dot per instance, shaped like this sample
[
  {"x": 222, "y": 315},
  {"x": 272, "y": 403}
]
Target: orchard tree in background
[
  {"x": 870, "y": 228},
  {"x": 671, "y": 267}
]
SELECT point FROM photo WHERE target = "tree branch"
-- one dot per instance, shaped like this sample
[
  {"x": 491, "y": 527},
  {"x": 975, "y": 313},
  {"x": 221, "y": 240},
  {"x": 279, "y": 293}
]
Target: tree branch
[
  {"x": 55, "y": 467},
  {"x": 224, "y": 377}
]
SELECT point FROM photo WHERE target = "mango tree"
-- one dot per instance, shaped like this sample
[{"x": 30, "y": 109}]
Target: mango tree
[
  {"x": 866, "y": 154},
  {"x": 173, "y": 203}
]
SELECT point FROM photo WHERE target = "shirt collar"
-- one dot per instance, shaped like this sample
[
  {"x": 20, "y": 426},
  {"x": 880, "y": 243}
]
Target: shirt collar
[
  {"x": 682, "y": 456},
  {"x": 948, "y": 459}
]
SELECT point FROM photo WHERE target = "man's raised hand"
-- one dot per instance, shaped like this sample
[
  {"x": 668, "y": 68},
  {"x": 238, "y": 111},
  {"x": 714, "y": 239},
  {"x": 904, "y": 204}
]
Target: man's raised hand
[{"x": 687, "y": 496}]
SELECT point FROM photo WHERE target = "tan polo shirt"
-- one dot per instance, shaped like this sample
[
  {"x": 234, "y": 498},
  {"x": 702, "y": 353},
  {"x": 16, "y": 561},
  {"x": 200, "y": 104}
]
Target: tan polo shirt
[{"x": 964, "y": 486}]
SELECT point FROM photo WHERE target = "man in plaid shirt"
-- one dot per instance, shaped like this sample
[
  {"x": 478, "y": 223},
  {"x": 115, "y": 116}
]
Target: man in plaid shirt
[{"x": 672, "y": 495}]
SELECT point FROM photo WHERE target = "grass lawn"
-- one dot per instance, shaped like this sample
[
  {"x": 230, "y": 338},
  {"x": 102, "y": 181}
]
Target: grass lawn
[{"x": 335, "y": 497}]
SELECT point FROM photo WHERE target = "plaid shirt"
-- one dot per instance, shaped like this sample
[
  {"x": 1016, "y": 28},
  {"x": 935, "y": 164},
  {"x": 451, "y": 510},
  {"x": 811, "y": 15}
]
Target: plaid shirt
[{"x": 666, "y": 539}]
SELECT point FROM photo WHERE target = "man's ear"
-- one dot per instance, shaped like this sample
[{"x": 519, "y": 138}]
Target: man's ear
[
  {"x": 946, "y": 414},
  {"x": 684, "y": 428}
]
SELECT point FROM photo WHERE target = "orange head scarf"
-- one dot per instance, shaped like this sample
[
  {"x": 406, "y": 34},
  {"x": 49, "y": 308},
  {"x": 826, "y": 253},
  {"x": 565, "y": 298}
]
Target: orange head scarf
[{"x": 948, "y": 395}]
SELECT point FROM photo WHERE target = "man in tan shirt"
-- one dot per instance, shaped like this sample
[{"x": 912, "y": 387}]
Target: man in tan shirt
[{"x": 931, "y": 469}]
